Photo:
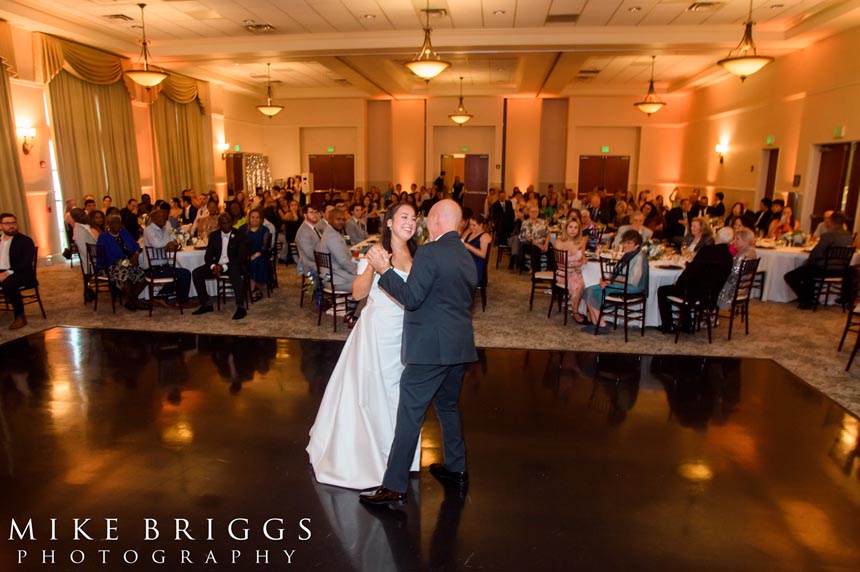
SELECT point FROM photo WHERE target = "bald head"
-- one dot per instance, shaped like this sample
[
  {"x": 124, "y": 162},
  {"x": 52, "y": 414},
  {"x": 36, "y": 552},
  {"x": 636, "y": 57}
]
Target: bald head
[{"x": 445, "y": 216}]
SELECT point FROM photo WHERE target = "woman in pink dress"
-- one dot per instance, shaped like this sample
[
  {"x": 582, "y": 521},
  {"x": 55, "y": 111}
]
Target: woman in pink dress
[{"x": 572, "y": 242}]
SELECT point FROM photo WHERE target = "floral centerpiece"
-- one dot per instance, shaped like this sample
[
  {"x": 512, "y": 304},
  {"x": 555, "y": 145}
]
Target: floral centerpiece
[
  {"x": 182, "y": 238},
  {"x": 654, "y": 250},
  {"x": 794, "y": 238},
  {"x": 422, "y": 235}
]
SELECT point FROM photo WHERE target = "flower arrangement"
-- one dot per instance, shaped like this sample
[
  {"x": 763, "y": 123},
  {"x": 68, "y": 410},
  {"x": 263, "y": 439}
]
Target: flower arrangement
[
  {"x": 182, "y": 238},
  {"x": 654, "y": 251},
  {"x": 422, "y": 235}
]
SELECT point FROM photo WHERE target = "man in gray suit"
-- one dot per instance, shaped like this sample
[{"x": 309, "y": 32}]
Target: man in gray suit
[
  {"x": 356, "y": 228},
  {"x": 307, "y": 239},
  {"x": 438, "y": 344},
  {"x": 332, "y": 242}
]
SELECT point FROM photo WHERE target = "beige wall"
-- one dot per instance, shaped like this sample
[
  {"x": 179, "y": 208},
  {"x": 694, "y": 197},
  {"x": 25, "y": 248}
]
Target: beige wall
[
  {"x": 523, "y": 143},
  {"x": 379, "y": 146},
  {"x": 407, "y": 142}
]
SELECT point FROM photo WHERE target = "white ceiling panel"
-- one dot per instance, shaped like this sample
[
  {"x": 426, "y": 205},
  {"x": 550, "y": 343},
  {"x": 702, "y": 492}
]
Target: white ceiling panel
[
  {"x": 499, "y": 13},
  {"x": 466, "y": 14},
  {"x": 663, "y": 14},
  {"x": 532, "y": 14},
  {"x": 631, "y": 12},
  {"x": 597, "y": 12}
]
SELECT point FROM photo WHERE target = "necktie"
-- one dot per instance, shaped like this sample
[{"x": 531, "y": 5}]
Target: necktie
[
  {"x": 319, "y": 234},
  {"x": 362, "y": 226}
]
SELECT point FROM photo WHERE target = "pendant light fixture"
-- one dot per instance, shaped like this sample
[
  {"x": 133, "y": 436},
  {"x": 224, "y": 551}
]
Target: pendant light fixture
[
  {"x": 461, "y": 116},
  {"x": 427, "y": 64},
  {"x": 268, "y": 109},
  {"x": 146, "y": 77},
  {"x": 651, "y": 103},
  {"x": 746, "y": 60}
]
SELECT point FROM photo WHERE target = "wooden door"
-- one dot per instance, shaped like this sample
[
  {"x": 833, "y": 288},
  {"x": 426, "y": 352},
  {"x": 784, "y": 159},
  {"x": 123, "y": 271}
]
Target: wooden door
[
  {"x": 477, "y": 173},
  {"x": 343, "y": 172},
  {"x": 590, "y": 174},
  {"x": 853, "y": 186},
  {"x": 320, "y": 166},
  {"x": 831, "y": 177},
  {"x": 616, "y": 172},
  {"x": 770, "y": 179}
]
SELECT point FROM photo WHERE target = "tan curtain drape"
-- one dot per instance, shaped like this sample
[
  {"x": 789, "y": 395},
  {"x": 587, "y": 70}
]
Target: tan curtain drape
[
  {"x": 95, "y": 138},
  {"x": 7, "y": 51},
  {"x": 12, "y": 197},
  {"x": 83, "y": 62},
  {"x": 180, "y": 89},
  {"x": 178, "y": 129}
]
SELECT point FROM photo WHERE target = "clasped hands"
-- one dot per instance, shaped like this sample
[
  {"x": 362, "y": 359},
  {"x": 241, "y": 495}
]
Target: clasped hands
[{"x": 379, "y": 258}]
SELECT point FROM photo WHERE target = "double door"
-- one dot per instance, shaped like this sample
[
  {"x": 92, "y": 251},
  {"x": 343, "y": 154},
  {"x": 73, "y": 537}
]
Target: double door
[
  {"x": 611, "y": 172},
  {"x": 332, "y": 172}
]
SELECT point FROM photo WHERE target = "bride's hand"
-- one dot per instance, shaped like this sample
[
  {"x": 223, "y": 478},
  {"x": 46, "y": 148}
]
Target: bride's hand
[{"x": 378, "y": 258}]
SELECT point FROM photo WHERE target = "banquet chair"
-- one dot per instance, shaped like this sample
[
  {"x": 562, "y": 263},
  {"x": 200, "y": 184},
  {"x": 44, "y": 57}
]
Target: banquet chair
[
  {"x": 542, "y": 279},
  {"x": 294, "y": 253},
  {"x": 758, "y": 283},
  {"x": 270, "y": 247},
  {"x": 742, "y": 294},
  {"x": 329, "y": 293},
  {"x": 853, "y": 322},
  {"x": 632, "y": 304},
  {"x": 153, "y": 282},
  {"x": 501, "y": 248},
  {"x": 559, "y": 285},
  {"x": 833, "y": 276},
  {"x": 595, "y": 236},
  {"x": 225, "y": 286},
  {"x": 701, "y": 309},
  {"x": 30, "y": 293},
  {"x": 100, "y": 280}
]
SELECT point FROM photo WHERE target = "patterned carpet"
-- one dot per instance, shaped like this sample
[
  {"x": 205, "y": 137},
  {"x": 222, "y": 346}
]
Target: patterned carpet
[{"x": 802, "y": 341}]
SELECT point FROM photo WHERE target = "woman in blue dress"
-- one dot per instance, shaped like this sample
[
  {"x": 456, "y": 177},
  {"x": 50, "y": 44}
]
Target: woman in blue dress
[
  {"x": 477, "y": 242},
  {"x": 637, "y": 279},
  {"x": 258, "y": 248}
]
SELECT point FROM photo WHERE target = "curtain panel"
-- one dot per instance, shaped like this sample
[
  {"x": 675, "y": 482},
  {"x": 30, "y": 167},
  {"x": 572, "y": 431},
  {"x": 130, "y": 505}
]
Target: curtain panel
[
  {"x": 7, "y": 51},
  {"x": 178, "y": 129},
  {"x": 95, "y": 138},
  {"x": 12, "y": 196},
  {"x": 89, "y": 64}
]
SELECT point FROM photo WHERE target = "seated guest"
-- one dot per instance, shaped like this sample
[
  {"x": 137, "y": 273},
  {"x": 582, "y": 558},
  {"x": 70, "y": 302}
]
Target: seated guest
[
  {"x": 637, "y": 279},
  {"x": 107, "y": 202},
  {"x": 637, "y": 223},
  {"x": 740, "y": 212},
  {"x": 226, "y": 253},
  {"x": 477, "y": 240},
  {"x": 763, "y": 216},
  {"x": 209, "y": 223},
  {"x": 534, "y": 234},
  {"x": 343, "y": 269},
  {"x": 784, "y": 223},
  {"x": 175, "y": 211},
  {"x": 122, "y": 254},
  {"x": 159, "y": 234},
  {"x": 145, "y": 206},
  {"x": 678, "y": 222},
  {"x": 744, "y": 247},
  {"x": 822, "y": 226},
  {"x": 703, "y": 277},
  {"x": 718, "y": 209},
  {"x": 700, "y": 207},
  {"x": 307, "y": 239},
  {"x": 129, "y": 218},
  {"x": 620, "y": 217},
  {"x": 237, "y": 213},
  {"x": 572, "y": 242},
  {"x": 88, "y": 234},
  {"x": 597, "y": 212},
  {"x": 16, "y": 267},
  {"x": 257, "y": 238},
  {"x": 700, "y": 235},
  {"x": 654, "y": 220},
  {"x": 356, "y": 226},
  {"x": 802, "y": 279}
]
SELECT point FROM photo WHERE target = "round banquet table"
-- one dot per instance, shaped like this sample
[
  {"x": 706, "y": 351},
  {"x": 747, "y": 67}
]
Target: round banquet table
[
  {"x": 776, "y": 262},
  {"x": 656, "y": 277},
  {"x": 190, "y": 259}
]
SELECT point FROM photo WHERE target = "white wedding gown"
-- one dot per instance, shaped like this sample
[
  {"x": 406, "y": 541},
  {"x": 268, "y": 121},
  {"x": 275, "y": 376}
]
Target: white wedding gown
[{"x": 354, "y": 428}]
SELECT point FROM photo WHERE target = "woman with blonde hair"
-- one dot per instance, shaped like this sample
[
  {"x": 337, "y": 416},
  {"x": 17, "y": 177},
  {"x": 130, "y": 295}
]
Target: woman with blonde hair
[
  {"x": 700, "y": 235},
  {"x": 571, "y": 241}
]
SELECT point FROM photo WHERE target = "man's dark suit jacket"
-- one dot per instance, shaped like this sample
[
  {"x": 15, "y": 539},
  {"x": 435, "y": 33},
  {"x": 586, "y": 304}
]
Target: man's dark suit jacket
[
  {"x": 21, "y": 253},
  {"x": 237, "y": 249},
  {"x": 503, "y": 220},
  {"x": 707, "y": 272},
  {"x": 129, "y": 221},
  {"x": 437, "y": 326},
  {"x": 763, "y": 223},
  {"x": 674, "y": 227},
  {"x": 192, "y": 214}
]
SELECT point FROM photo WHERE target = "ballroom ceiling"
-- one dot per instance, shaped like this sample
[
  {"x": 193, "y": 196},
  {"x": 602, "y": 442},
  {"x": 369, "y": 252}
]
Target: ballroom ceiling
[{"x": 356, "y": 48}]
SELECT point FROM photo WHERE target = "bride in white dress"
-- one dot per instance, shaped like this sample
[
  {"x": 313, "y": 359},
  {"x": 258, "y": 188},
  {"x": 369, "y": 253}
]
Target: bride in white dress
[{"x": 354, "y": 428}]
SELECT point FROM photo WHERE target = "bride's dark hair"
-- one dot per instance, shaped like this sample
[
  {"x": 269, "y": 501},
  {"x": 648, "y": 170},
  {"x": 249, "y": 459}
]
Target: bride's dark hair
[{"x": 411, "y": 244}]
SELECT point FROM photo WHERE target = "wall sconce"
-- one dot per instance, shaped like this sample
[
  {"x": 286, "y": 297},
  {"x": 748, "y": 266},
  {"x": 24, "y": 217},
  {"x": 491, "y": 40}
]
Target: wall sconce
[
  {"x": 721, "y": 149},
  {"x": 28, "y": 134},
  {"x": 224, "y": 147}
]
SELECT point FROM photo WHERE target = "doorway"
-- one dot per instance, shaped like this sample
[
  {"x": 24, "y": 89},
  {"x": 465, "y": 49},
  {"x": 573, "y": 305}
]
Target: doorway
[
  {"x": 332, "y": 172},
  {"x": 838, "y": 183},
  {"x": 474, "y": 171},
  {"x": 612, "y": 172},
  {"x": 771, "y": 157}
]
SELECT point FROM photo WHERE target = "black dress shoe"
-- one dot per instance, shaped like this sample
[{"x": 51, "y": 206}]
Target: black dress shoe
[
  {"x": 240, "y": 313},
  {"x": 382, "y": 496},
  {"x": 666, "y": 328},
  {"x": 203, "y": 310},
  {"x": 439, "y": 471}
]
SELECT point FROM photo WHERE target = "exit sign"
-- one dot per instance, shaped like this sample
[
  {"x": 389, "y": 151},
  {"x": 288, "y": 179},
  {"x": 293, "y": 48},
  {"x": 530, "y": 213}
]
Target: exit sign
[
  {"x": 330, "y": 149},
  {"x": 237, "y": 148},
  {"x": 769, "y": 140},
  {"x": 464, "y": 148},
  {"x": 604, "y": 149}
]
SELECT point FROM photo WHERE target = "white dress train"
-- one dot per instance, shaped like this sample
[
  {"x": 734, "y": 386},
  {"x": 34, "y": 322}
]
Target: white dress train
[{"x": 354, "y": 428}]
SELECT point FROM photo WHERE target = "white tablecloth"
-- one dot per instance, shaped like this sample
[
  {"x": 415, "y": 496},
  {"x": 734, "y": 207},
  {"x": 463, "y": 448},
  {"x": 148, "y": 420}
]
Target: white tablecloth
[
  {"x": 657, "y": 277},
  {"x": 777, "y": 262},
  {"x": 191, "y": 259}
]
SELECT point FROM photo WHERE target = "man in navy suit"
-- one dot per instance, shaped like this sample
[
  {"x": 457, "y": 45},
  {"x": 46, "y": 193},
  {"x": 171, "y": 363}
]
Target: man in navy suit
[
  {"x": 226, "y": 253},
  {"x": 16, "y": 266},
  {"x": 438, "y": 344}
]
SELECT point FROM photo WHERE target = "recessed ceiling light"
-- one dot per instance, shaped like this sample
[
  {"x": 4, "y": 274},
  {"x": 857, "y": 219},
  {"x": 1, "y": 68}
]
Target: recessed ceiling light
[
  {"x": 249, "y": 22},
  {"x": 634, "y": 9},
  {"x": 369, "y": 16},
  {"x": 777, "y": 6},
  {"x": 499, "y": 12}
]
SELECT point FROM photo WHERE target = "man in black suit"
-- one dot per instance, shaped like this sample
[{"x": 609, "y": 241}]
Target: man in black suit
[
  {"x": 129, "y": 218},
  {"x": 802, "y": 278},
  {"x": 678, "y": 222},
  {"x": 502, "y": 215},
  {"x": 763, "y": 216},
  {"x": 701, "y": 280},
  {"x": 227, "y": 252},
  {"x": 599, "y": 213},
  {"x": 16, "y": 266},
  {"x": 189, "y": 211},
  {"x": 438, "y": 343}
]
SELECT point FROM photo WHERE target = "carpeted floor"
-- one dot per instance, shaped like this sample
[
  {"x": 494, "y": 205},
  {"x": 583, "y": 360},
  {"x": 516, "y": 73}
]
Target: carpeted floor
[{"x": 802, "y": 341}]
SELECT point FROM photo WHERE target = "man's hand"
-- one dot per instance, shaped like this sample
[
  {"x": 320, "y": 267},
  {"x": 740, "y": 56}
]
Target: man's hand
[
  {"x": 135, "y": 258},
  {"x": 171, "y": 246},
  {"x": 4, "y": 275},
  {"x": 217, "y": 270},
  {"x": 379, "y": 258}
]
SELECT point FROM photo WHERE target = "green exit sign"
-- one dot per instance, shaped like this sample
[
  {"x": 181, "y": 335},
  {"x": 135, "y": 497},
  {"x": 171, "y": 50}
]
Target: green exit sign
[
  {"x": 839, "y": 132},
  {"x": 464, "y": 148},
  {"x": 604, "y": 149},
  {"x": 237, "y": 148},
  {"x": 330, "y": 149},
  {"x": 769, "y": 140}
]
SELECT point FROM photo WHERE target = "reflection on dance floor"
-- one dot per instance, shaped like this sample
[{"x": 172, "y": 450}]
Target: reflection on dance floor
[{"x": 578, "y": 461}]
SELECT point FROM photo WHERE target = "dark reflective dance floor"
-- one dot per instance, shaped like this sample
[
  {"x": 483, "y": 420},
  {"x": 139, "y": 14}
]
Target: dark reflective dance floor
[{"x": 579, "y": 461}]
